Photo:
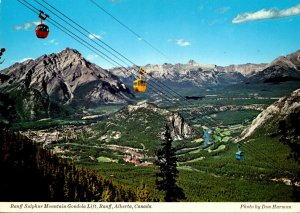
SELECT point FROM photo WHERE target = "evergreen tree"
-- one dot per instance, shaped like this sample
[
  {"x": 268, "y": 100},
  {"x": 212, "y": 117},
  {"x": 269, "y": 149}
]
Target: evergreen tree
[
  {"x": 290, "y": 135},
  {"x": 107, "y": 195},
  {"x": 166, "y": 178},
  {"x": 143, "y": 194}
]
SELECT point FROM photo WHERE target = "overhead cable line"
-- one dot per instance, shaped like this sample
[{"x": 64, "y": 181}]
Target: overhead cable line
[
  {"x": 130, "y": 30},
  {"x": 77, "y": 39},
  {"x": 272, "y": 163},
  {"x": 139, "y": 37},
  {"x": 156, "y": 81},
  {"x": 87, "y": 45},
  {"x": 86, "y": 35},
  {"x": 261, "y": 155},
  {"x": 124, "y": 57},
  {"x": 95, "y": 49}
]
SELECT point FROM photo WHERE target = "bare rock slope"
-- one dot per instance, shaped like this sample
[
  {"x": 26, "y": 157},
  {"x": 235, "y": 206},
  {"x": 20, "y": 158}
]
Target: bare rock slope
[{"x": 280, "y": 110}]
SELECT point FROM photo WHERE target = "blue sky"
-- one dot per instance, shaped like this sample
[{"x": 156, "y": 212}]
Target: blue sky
[{"x": 218, "y": 32}]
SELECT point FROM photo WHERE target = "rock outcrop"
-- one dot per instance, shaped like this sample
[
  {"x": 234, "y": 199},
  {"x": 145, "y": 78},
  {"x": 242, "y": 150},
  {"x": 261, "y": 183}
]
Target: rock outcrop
[
  {"x": 178, "y": 127},
  {"x": 280, "y": 110}
]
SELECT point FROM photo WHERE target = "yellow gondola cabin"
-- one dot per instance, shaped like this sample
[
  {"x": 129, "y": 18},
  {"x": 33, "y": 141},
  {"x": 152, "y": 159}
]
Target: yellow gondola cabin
[{"x": 140, "y": 84}]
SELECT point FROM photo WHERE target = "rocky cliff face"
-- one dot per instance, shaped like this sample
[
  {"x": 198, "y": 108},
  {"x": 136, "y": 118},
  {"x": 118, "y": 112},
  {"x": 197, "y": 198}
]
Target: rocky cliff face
[
  {"x": 178, "y": 127},
  {"x": 280, "y": 110},
  {"x": 64, "y": 78}
]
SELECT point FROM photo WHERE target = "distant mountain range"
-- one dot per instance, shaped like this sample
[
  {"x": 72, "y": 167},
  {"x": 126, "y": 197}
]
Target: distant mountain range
[
  {"x": 193, "y": 74},
  {"x": 246, "y": 70},
  {"x": 47, "y": 85}
]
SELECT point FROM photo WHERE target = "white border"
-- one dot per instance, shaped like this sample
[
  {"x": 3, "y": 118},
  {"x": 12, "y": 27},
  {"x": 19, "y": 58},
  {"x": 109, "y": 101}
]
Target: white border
[{"x": 228, "y": 207}]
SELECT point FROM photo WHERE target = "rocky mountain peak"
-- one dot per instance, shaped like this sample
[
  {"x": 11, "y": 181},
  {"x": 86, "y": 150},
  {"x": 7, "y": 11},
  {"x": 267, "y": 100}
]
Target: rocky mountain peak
[
  {"x": 283, "y": 61},
  {"x": 292, "y": 61},
  {"x": 192, "y": 62},
  {"x": 70, "y": 53},
  {"x": 283, "y": 68},
  {"x": 66, "y": 78},
  {"x": 68, "y": 57}
]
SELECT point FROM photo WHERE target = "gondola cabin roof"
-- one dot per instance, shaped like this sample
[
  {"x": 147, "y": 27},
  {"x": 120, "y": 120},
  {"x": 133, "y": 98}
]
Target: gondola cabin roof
[{"x": 239, "y": 155}]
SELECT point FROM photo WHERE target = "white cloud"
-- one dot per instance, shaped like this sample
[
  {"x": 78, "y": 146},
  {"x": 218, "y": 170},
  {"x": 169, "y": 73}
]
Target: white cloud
[
  {"x": 36, "y": 23},
  {"x": 18, "y": 28},
  {"x": 25, "y": 59},
  {"x": 51, "y": 42},
  {"x": 92, "y": 57},
  {"x": 266, "y": 14},
  {"x": 21, "y": 60},
  {"x": 94, "y": 36},
  {"x": 27, "y": 25},
  {"x": 182, "y": 42}
]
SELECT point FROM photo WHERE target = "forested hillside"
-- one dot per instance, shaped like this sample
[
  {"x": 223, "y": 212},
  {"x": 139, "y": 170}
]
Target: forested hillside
[{"x": 46, "y": 177}]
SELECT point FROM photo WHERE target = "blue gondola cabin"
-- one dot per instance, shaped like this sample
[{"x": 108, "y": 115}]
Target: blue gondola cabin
[{"x": 239, "y": 155}]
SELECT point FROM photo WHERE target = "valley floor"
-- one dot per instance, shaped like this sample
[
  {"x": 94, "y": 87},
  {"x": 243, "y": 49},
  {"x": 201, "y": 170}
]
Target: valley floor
[{"x": 122, "y": 148}]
